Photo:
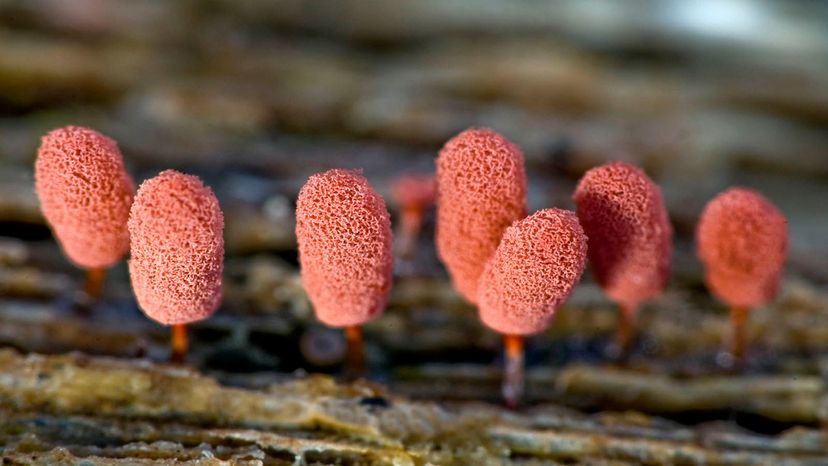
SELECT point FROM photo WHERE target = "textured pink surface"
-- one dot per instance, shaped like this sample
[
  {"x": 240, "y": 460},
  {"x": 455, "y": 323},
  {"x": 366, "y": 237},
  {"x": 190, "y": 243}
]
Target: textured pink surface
[
  {"x": 85, "y": 194},
  {"x": 742, "y": 239},
  {"x": 481, "y": 190},
  {"x": 630, "y": 238},
  {"x": 414, "y": 191},
  {"x": 176, "y": 229},
  {"x": 344, "y": 235},
  {"x": 534, "y": 270}
]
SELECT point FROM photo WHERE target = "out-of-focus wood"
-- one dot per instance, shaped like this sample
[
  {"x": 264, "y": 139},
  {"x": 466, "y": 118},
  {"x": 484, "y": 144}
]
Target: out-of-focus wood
[{"x": 107, "y": 411}]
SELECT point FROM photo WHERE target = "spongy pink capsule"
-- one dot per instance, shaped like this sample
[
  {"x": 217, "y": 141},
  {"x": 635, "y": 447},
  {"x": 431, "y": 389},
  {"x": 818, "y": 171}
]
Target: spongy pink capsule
[
  {"x": 176, "y": 234},
  {"x": 630, "y": 238},
  {"x": 481, "y": 190},
  {"x": 85, "y": 194},
  {"x": 344, "y": 233},
  {"x": 535, "y": 268},
  {"x": 742, "y": 240}
]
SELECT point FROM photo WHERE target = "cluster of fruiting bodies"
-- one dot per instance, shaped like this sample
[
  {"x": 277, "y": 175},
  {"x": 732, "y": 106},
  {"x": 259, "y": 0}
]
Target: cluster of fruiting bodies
[
  {"x": 172, "y": 227},
  {"x": 518, "y": 269}
]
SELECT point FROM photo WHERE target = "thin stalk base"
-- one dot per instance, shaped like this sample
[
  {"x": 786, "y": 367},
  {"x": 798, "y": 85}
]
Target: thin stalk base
[
  {"x": 355, "y": 362},
  {"x": 93, "y": 286},
  {"x": 625, "y": 334},
  {"x": 513, "y": 377},
  {"x": 738, "y": 340},
  {"x": 180, "y": 344}
]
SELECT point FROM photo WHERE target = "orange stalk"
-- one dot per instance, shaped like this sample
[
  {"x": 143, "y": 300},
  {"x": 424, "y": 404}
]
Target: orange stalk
[
  {"x": 356, "y": 353},
  {"x": 93, "y": 286},
  {"x": 180, "y": 344},
  {"x": 738, "y": 345},
  {"x": 410, "y": 224},
  {"x": 513, "y": 383},
  {"x": 625, "y": 334}
]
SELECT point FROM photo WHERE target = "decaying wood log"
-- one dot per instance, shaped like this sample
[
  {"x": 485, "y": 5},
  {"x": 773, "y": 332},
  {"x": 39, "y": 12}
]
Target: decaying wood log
[{"x": 72, "y": 408}]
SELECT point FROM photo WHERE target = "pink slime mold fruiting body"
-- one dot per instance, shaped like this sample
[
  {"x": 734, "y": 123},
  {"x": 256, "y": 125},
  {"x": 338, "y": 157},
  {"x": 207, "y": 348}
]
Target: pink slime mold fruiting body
[
  {"x": 535, "y": 268},
  {"x": 742, "y": 241},
  {"x": 414, "y": 195},
  {"x": 533, "y": 271},
  {"x": 85, "y": 194},
  {"x": 481, "y": 190},
  {"x": 630, "y": 238},
  {"x": 344, "y": 233},
  {"x": 414, "y": 192},
  {"x": 176, "y": 233}
]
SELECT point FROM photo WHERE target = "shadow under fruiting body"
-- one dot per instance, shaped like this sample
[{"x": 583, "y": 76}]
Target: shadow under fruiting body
[
  {"x": 345, "y": 254},
  {"x": 85, "y": 194},
  {"x": 742, "y": 240},
  {"x": 176, "y": 237}
]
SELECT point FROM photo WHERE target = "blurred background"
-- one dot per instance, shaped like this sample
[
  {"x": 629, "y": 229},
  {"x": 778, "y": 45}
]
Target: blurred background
[{"x": 254, "y": 96}]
